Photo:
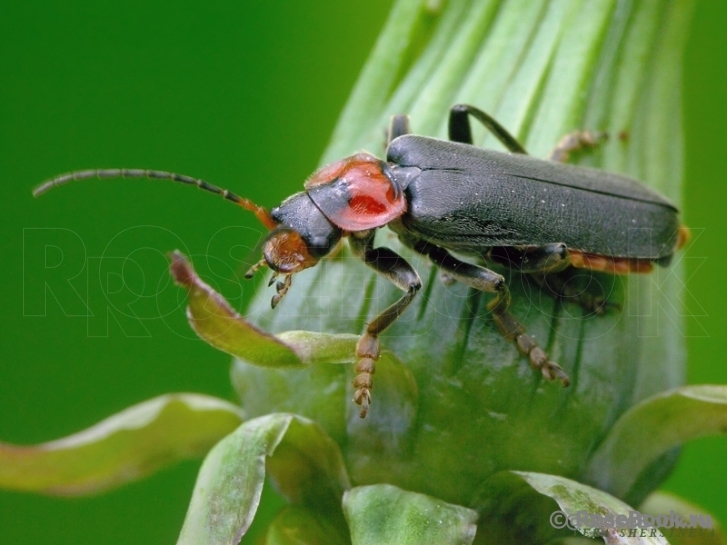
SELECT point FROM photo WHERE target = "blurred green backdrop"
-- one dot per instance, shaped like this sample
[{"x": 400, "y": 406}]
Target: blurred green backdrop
[{"x": 245, "y": 96}]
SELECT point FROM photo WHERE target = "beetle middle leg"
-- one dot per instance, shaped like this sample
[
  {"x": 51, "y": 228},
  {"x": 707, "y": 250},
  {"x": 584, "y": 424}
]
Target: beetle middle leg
[
  {"x": 481, "y": 278},
  {"x": 394, "y": 268},
  {"x": 576, "y": 141}
]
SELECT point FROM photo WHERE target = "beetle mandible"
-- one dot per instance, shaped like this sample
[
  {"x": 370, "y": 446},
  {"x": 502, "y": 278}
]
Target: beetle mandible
[{"x": 537, "y": 215}]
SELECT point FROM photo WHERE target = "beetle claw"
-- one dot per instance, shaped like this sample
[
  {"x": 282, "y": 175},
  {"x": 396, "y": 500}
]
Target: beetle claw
[
  {"x": 553, "y": 371},
  {"x": 362, "y": 397}
]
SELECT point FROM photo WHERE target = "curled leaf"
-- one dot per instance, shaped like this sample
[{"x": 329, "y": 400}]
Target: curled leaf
[
  {"x": 524, "y": 507},
  {"x": 383, "y": 514},
  {"x": 296, "y": 525},
  {"x": 217, "y": 323},
  {"x": 653, "y": 427},
  {"x": 664, "y": 503},
  {"x": 123, "y": 448},
  {"x": 214, "y": 320},
  {"x": 304, "y": 462}
]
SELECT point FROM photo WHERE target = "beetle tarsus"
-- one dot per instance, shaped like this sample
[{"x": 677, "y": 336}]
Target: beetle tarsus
[
  {"x": 281, "y": 288},
  {"x": 363, "y": 382},
  {"x": 514, "y": 331},
  {"x": 367, "y": 350},
  {"x": 538, "y": 358},
  {"x": 576, "y": 141}
]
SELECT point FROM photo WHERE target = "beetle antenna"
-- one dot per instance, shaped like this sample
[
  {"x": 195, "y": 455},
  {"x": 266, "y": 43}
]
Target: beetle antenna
[
  {"x": 252, "y": 270},
  {"x": 260, "y": 213}
]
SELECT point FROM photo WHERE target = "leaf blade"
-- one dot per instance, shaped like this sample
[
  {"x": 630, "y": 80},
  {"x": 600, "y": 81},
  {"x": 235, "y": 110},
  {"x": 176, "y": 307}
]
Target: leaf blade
[
  {"x": 383, "y": 514},
  {"x": 122, "y": 448},
  {"x": 651, "y": 428},
  {"x": 230, "y": 482}
]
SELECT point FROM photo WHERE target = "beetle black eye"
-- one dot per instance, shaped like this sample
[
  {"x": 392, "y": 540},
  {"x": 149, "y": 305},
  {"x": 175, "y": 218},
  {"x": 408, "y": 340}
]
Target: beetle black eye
[
  {"x": 321, "y": 246},
  {"x": 300, "y": 214}
]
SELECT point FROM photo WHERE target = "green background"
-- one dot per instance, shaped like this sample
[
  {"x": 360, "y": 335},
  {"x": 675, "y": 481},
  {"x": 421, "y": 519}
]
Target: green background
[{"x": 245, "y": 96}]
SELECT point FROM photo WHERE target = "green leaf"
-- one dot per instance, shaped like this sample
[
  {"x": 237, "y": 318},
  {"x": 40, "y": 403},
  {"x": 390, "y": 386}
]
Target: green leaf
[
  {"x": 651, "y": 428},
  {"x": 216, "y": 322},
  {"x": 324, "y": 393},
  {"x": 321, "y": 348},
  {"x": 518, "y": 507},
  {"x": 296, "y": 525},
  {"x": 386, "y": 515},
  {"x": 125, "y": 447},
  {"x": 304, "y": 462},
  {"x": 662, "y": 503}
]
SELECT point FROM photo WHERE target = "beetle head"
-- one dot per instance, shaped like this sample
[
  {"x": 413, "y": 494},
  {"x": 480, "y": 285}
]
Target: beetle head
[
  {"x": 301, "y": 237},
  {"x": 358, "y": 193}
]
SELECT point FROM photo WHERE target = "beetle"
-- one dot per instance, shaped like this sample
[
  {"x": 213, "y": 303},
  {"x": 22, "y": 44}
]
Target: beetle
[{"x": 448, "y": 196}]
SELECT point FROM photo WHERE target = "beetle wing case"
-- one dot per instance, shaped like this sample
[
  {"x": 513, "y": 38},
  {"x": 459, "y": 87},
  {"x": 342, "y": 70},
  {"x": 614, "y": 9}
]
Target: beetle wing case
[{"x": 468, "y": 199}]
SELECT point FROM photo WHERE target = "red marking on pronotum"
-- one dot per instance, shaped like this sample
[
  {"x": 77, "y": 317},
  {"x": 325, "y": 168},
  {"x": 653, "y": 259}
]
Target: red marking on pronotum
[{"x": 371, "y": 199}]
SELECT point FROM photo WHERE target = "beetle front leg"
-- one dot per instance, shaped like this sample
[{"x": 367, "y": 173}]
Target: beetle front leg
[
  {"x": 394, "y": 268},
  {"x": 484, "y": 279}
]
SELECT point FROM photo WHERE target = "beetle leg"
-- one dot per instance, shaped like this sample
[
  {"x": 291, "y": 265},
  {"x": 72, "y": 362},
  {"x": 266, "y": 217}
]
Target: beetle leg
[
  {"x": 576, "y": 141},
  {"x": 398, "y": 127},
  {"x": 560, "y": 285},
  {"x": 532, "y": 259},
  {"x": 546, "y": 265},
  {"x": 394, "y": 268},
  {"x": 486, "y": 280},
  {"x": 460, "y": 130}
]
